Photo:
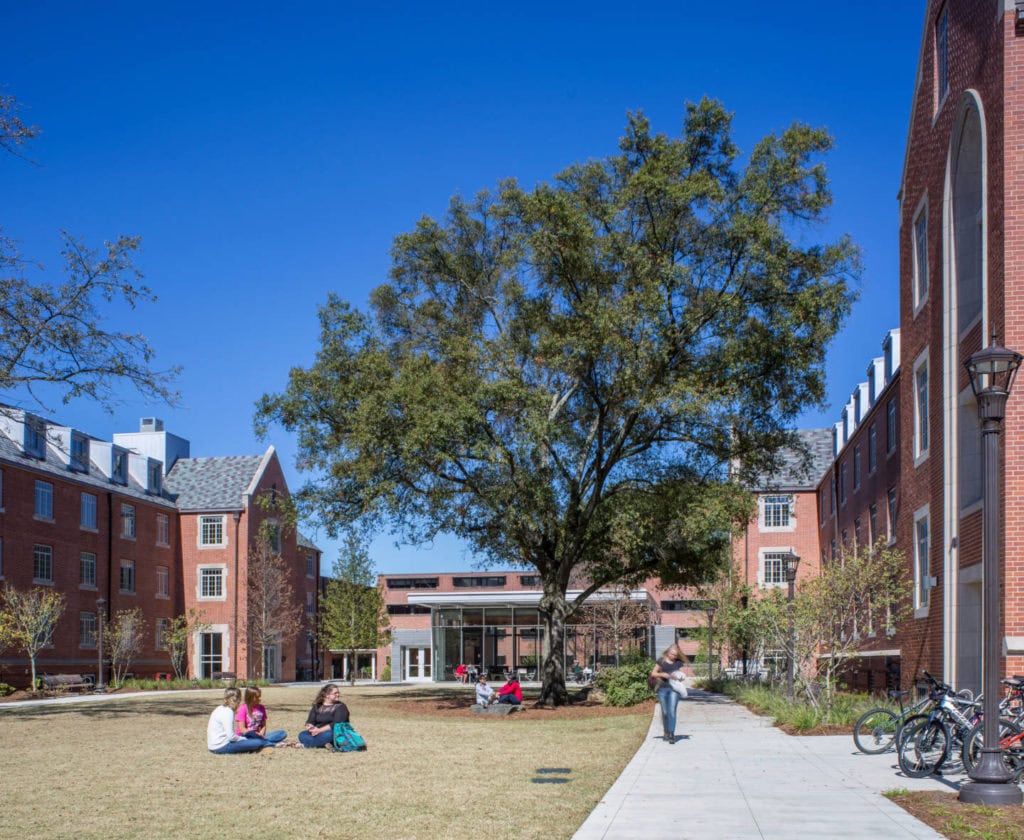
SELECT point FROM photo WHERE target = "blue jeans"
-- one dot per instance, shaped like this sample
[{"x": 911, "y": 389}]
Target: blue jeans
[
  {"x": 322, "y": 740},
  {"x": 243, "y": 746},
  {"x": 668, "y": 700},
  {"x": 272, "y": 738}
]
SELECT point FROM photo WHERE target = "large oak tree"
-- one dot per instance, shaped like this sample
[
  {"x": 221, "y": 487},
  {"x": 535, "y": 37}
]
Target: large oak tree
[{"x": 577, "y": 378}]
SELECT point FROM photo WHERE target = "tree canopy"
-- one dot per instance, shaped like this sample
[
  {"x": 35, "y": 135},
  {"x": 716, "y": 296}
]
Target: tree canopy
[
  {"x": 53, "y": 335},
  {"x": 579, "y": 377}
]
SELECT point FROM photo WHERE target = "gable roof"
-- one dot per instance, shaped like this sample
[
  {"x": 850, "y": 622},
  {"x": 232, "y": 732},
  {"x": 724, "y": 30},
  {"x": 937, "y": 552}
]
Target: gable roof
[
  {"x": 215, "y": 484},
  {"x": 799, "y": 470}
]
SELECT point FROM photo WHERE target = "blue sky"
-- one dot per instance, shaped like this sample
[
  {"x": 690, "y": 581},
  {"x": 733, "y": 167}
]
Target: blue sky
[{"x": 269, "y": 155}]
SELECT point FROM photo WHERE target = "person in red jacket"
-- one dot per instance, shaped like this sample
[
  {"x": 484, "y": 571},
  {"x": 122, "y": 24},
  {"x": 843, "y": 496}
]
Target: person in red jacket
[
  {"x": 510, "y": 692},
  {"x": 460, "y": 672}
]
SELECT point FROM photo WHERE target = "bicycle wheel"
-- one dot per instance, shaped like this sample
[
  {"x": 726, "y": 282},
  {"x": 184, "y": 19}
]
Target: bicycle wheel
[
  {"x": 875, "y": 731},
  {"x": 924, "y": 749},
  {"x": 974, "y": 740},
  {"x": 906, "y": 725}
]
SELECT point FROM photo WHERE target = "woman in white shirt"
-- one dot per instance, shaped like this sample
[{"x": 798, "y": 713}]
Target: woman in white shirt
[{"x": 220, "y": 732}]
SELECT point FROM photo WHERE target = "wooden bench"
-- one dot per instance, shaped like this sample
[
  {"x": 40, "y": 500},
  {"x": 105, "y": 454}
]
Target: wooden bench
[{"x": 67, "y": 682}]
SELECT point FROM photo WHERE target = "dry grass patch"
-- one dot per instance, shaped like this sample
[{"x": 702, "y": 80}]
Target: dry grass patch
[{"x": 139, "y": 767}]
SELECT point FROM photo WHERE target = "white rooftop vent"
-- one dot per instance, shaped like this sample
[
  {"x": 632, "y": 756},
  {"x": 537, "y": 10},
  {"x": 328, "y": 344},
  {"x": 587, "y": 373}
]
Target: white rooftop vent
[{"x": 151, "y": 424}]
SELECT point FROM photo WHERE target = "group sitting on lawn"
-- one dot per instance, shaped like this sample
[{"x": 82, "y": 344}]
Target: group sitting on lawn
[{"x": 235, "y": 727}]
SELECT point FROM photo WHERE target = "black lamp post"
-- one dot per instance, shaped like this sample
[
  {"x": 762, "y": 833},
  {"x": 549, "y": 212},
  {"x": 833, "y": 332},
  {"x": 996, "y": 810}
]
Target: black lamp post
[
  {"x": 100, "y": 687},
  {"x": 312, "y": 655},
  {"x": 711, "y": 630},
  {"x": 790, "y": 562},
  {"x": 992, "y": 370}
]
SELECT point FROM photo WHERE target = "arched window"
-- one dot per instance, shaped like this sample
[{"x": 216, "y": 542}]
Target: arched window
[{"x": 967, "y": 218}]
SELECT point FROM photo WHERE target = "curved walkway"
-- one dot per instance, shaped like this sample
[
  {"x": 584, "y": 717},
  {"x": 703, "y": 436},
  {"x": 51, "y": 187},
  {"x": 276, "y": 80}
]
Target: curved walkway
[{"x": 731, "y": 775}]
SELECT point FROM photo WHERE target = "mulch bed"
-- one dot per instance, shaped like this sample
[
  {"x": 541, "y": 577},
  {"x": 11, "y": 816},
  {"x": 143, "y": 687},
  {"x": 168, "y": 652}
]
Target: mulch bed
[{"x": 951, "y": 818}]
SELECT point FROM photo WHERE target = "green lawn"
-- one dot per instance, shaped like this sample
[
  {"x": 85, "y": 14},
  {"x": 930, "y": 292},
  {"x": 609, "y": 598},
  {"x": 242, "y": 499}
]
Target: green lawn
[{"x": 139, "y": 767}]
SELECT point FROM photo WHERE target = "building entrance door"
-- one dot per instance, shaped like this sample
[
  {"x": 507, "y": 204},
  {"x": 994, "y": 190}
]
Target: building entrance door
[
  {"x": 211, "y": 655},
  {"x": 416, "y": 664}
]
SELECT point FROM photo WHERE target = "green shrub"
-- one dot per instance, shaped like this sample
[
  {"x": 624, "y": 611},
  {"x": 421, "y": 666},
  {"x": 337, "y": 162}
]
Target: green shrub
[
  {"x": 6, "y": 689},
  {"x": 625, "y": 685},
  {"x": 385, "y": 675}
]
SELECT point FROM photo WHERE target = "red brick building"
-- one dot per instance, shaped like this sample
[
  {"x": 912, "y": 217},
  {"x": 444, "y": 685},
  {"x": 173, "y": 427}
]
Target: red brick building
[
  {"x": 134, "y": 522},
  {"x": 961, "y": 254}
]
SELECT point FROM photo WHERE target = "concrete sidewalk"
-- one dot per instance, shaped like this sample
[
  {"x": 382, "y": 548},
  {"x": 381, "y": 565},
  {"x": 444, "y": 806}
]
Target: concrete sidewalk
[{"x": 731, "y": 775}]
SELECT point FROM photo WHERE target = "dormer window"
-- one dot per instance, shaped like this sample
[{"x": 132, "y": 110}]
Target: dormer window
[
  {"x": 79, "y": 453},
  {"x": 35, "y": 437},
  {"x": 154, "y": 475},
  {"x": 119, "y": 466}
]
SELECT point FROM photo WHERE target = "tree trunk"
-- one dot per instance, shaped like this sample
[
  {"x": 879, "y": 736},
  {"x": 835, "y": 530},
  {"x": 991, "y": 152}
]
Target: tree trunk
[{"x": 554, "y": 608}]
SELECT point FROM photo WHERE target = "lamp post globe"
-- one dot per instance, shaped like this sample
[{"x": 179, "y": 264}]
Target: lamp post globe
[{"x": 992, "y": 371}]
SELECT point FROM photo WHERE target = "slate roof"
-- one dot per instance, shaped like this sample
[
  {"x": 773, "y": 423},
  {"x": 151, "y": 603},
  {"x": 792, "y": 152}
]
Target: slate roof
[
  {"x": 12, "y": 453},
  {"x": 212, "y": 484},
  {"x": 798, "y": 470},
  {"x": 305, "y": 542}
]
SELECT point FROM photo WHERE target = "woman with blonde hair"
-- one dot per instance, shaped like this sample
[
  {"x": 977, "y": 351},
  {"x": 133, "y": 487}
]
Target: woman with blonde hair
[
  {"x": 667, "y": 669},
  {"x": 221, "y": 737},
  {"x": 251, "y": 719}
]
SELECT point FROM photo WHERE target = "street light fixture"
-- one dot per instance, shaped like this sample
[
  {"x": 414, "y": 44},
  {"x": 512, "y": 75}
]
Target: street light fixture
[
  {"x": 790, "y": 563},
  {"x": 710, "y": 610},
  {"x": 100, "y": 687},
  {"x": 992, "y": 371}
]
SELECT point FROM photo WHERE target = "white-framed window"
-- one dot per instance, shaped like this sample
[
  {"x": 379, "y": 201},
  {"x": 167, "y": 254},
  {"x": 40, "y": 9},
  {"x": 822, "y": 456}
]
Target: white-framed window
[
  {"x": 891, "y": 524},
  {"x": 872, "y": 449},
  {"x": 773, "y": 567},
  {"x": 856, "y": 468},
  {"x": 310, "y": 603},
  {"x": 311, "y": 565},
  {"x": 163, "y": 628},
  {"x": 163, "y": 582},
  {"x": 44, "y": 500},
  {"x": 941, "y": 57},
  {"x": 87, "y": 570},
  {"x": 856, "y": 533},
  {"x": 127, "y": 521},
  {"x": 873, "y": 524},
  {"x": 842, "y": 483},
  {"x": 127, "y": 576},
  {"x": 79, "y": 453},
  {"x": 921, "y": 408},
  {"x": 920, "y": 256},
  {"x": 87, "y": 515},
  {"x": 42, "y": 564},
  {"x": 922, "y": 579},
  {"x": 777, "y": 512},
  {"x": 211, "y": 532},
  {"x": 87, "y": 629},
  {"x": 211, "y": 583},
  {"x": 890, "y": 427},
  {"x": 163, "y": 529}
]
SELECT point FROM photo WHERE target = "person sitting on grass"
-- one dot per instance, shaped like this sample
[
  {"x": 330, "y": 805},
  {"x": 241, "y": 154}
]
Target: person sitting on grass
[
  {"x": 484, "y": 693},
  {"x": 327, "y": 710},
  {"x": 510, "y": 692},
  {"x": 220, "y": 731},
  {"x": 251, "y": 719}
]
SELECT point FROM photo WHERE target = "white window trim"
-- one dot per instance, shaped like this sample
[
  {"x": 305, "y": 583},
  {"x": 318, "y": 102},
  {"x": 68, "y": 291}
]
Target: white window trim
[
  {"x": 941, "y": 96},
  {"x": 38, "y": 517},
  {"x": 761, "y": 500},
  {"x": 134, "y": 520},
  {"x": 89, "y": 587},
  {"x": 163, "y": 517},
  {"x": 761, "y": 552},
  {"x": 223, "y": 582},
  {"x": 163, "y": 596},
  {"x": 918, "y": 299},
  {"x": 92, "y": 529},
  {"x": 135, "y": 576},
  {"x": 919, "y": 610},
  {"x": 223, "y": 531},
  {"x": 920, "y": 455}
]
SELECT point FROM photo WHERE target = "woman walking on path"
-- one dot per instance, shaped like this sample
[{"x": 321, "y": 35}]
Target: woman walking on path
[
  {"x": 669, "y": 667},
  {"x": 327, "y": 710}
]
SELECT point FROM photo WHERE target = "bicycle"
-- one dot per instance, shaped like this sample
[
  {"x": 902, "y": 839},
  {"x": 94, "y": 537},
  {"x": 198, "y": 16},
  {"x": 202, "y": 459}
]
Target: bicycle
[
  {"x": 1011, "y": 734},
  {"x": 875, "y": 731},
  {"x": 926, "y": 745}
]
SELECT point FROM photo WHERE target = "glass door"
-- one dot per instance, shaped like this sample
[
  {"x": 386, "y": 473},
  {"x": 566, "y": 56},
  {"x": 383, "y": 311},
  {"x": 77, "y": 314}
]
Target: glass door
[
  {"x": 417, "y": 663},
  {"x": 210, "y": 655}
]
